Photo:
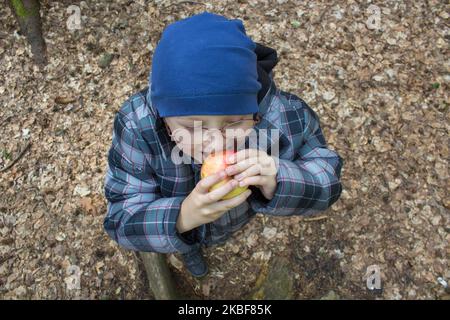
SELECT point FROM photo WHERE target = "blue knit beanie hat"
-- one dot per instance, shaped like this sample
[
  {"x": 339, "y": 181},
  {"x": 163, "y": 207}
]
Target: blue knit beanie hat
[{"x": 205, "y": 65}]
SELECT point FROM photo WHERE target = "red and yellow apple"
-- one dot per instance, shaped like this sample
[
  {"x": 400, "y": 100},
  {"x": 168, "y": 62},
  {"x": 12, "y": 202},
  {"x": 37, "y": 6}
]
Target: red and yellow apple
[{"x": 214, "y": 163}]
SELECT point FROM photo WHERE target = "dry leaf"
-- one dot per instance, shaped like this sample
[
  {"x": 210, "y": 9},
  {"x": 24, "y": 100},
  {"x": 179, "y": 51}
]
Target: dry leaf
[{"x": 64, "y": 100}]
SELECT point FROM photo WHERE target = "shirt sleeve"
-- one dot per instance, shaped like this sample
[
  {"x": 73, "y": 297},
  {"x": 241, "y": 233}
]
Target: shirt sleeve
[
  {"x": 308, "y": 184},
  {"x": 138, "y": 217}
]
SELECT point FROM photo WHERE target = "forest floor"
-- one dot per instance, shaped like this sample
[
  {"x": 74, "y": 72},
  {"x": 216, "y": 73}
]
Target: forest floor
[{"x": 377, "y": 76}]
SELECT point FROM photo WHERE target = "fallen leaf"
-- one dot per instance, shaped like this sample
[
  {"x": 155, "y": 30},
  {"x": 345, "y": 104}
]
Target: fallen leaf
[{"x": 64, "y": 100}]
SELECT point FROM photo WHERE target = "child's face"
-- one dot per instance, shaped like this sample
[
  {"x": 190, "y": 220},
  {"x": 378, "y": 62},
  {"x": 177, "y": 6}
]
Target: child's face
[{"x": 198, "y": 136}]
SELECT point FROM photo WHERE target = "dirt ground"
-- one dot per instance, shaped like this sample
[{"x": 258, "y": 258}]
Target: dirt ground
[{"x": 377, "y": 76}]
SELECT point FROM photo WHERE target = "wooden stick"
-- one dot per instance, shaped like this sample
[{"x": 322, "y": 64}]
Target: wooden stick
[
  {"x": 315, "y": 218},
  {"x": 16, "y": 159}
]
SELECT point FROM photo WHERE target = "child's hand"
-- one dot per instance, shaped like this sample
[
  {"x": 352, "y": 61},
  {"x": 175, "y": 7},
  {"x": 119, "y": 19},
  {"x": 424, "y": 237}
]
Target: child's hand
[
  {"x": 254, "y": 167},
  {"x": 202, "y": 206}
]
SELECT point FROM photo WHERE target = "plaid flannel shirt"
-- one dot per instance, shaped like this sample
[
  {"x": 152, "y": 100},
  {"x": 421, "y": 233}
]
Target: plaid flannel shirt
[{"x": 145, "y": 189}]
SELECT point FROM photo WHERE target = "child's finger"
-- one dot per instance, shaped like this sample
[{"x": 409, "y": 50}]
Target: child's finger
[
  {"x": 228, "y": 204},
  {"x": 254, "y": 181},
  {"x": 206, "y": 183},
  {"x": 241, "y": 166},
  {"x": 219, "y": 193},
  {"x": 264, "y": 167},
  {"x": 242, "y": 155},
  {"x": 251, "y": 171}
]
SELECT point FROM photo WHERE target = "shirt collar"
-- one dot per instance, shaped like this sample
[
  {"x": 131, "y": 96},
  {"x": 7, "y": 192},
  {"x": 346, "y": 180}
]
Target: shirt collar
[{"x": 265, "y": 102}]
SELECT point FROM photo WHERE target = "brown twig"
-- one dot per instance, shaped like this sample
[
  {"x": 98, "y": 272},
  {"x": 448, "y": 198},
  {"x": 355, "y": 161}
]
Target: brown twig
[
  {"x": 10, "y": 256},
  {"x": 6, "y": 258},
  {"x": 16, "y": 159},
  {"x": 183, "y": 2},
  {"x": 6, "y": 120},
  {"x": 315, "y": 218},
  {"x": 325, "y": 11},
  {"x": 58, "y": 76}
]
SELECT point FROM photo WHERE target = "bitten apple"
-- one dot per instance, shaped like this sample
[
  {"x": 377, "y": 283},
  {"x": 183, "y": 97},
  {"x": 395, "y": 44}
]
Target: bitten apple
[{"x": 214, "y": 163}]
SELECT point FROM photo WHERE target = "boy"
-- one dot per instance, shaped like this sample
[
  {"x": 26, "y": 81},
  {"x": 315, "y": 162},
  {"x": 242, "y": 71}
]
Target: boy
[{"x": 207, "y": 71}]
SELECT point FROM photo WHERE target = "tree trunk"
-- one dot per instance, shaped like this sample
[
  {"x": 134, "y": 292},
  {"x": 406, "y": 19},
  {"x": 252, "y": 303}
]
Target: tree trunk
[
  {"x": 29, "y": 20},
  {"x": 159, "y": 276}
]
